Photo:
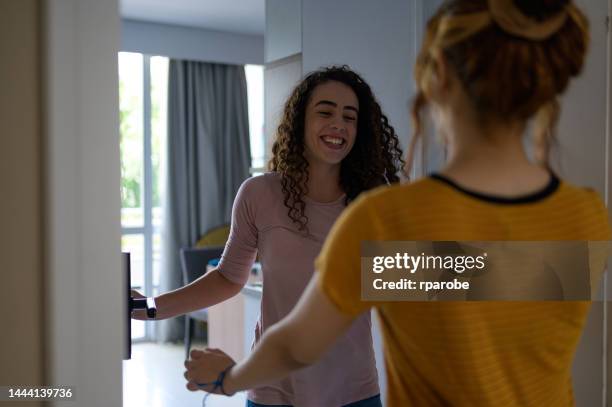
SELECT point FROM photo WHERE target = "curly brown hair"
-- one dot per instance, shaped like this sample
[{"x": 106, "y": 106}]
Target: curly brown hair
[{"x": 374, "y": 160}]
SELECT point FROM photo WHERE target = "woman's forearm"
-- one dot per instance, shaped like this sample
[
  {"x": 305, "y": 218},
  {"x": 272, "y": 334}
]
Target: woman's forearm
[
  {"x": 272, "y": 359},
  {"x": 298, "y": 340},
  {"x": 208, "y": 290}
]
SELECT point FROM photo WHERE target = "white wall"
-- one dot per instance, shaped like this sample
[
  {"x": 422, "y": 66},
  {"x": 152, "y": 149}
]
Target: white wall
[
  {"x": 283, "y": 29},
  {"x": 582, "y": 126},
  {"x": 375, "y": 38},
  {"x": 82, "y": 203},
  {"x": 581, "y": 157},
  {"x": 191, "y": 43}
]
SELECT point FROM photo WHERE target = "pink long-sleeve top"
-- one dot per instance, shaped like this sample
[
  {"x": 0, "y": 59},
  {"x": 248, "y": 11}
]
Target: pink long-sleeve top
[{"x": 261, "y": 225}]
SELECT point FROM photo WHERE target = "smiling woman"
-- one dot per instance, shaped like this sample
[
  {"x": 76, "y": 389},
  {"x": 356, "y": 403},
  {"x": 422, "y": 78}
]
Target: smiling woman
[
  {"x": 333, "y": 143},
  {"x": 331, "y": 125},
  {"x": 321, "y": 114}
]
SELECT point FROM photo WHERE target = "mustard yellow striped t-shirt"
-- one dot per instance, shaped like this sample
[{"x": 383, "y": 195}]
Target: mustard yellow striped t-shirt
[{"x": 467, "y": 353}]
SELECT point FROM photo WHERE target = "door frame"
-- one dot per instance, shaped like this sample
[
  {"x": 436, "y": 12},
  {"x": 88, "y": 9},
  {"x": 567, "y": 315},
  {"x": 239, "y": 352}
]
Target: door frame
[{"x": 84, "y": 301}]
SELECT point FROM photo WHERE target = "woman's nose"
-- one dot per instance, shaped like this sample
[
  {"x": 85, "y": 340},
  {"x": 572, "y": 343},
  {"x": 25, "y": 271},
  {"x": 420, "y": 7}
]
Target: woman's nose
[{"x": 338, "y": 127}]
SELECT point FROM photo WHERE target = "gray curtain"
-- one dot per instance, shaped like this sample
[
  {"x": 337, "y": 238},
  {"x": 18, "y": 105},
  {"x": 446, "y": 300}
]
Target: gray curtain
[{"x": 208, "y": 158}]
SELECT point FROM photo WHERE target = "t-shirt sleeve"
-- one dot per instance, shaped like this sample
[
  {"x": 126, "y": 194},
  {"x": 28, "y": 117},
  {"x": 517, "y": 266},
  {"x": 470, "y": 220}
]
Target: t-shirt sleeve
[
  {"x": 339, "y": 262},
  {"x": 598, "y": 217},
  {"x": 241, "y": 247}
]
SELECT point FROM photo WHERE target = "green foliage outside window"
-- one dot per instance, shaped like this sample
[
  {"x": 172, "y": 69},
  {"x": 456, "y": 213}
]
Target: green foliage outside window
[{"x": 131, "y": 141}]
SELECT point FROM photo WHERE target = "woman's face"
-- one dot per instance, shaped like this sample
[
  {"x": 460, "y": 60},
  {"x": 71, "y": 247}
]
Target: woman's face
[{"x": 331, "y": 123}]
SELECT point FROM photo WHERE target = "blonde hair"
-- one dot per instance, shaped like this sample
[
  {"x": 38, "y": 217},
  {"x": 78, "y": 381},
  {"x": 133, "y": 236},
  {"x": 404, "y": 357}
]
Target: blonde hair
[{"x": 539, "y": 44}]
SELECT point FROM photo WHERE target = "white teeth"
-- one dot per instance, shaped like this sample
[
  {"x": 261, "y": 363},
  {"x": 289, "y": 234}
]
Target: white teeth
[{"x": 333, "y": 140}]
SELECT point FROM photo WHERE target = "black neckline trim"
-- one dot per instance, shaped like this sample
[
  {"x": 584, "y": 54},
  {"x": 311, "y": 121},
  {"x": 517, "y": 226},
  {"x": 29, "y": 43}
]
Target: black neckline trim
[{"x": 543, "y": 193}]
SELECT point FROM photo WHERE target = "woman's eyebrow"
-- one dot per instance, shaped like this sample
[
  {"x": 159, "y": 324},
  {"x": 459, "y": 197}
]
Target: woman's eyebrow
[
  {"x": 326, "y": 102},
  {"x": 334, "y": 104}
]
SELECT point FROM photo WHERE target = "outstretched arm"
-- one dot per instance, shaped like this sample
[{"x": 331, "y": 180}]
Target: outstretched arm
[
  {"x": 208, "y": 290},
  {"x": 233, "y": 271}
]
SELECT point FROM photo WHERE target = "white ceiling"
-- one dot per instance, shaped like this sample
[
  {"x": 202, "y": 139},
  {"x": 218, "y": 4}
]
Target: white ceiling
[{"x": 237, "y": 16}]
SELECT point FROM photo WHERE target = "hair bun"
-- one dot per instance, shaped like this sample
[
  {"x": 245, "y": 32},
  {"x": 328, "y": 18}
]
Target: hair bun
[{"x": 540, "y": 10}]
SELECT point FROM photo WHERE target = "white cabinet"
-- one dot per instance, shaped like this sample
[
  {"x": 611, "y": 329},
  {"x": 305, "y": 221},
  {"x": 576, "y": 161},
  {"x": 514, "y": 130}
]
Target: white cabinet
[
  {"x": 226, "y": 326},
  {"x": 231, "y": 324}
]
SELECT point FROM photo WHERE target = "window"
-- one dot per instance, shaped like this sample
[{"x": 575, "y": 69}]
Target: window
[
  {"x": 143, "y": 94},
  {"x": 143, "y": 84},
  {"x": 255, "y": 83}
]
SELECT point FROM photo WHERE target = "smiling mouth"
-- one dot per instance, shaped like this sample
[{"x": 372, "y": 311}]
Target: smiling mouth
[{"x": 334, "y": 143}]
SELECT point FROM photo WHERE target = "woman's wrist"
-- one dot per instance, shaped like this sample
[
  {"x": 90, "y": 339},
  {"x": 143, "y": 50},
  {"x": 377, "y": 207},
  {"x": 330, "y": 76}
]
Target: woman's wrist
[
  {"x": 228, "y": 382},
  {"x": 163, "y": 306}
]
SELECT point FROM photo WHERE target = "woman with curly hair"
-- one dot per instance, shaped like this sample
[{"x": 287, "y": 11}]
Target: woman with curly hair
[{"x": 333, "y": 143}]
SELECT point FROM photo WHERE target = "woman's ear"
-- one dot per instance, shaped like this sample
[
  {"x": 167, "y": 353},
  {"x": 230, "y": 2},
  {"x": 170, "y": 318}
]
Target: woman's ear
[{"x": 440, "y": 71}]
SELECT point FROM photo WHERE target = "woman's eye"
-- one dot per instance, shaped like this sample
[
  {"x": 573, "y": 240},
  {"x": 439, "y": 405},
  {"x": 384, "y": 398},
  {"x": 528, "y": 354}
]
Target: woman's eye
[
  {"x": 326, "y": 114},
  {"x": 350, "y": 118}
]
